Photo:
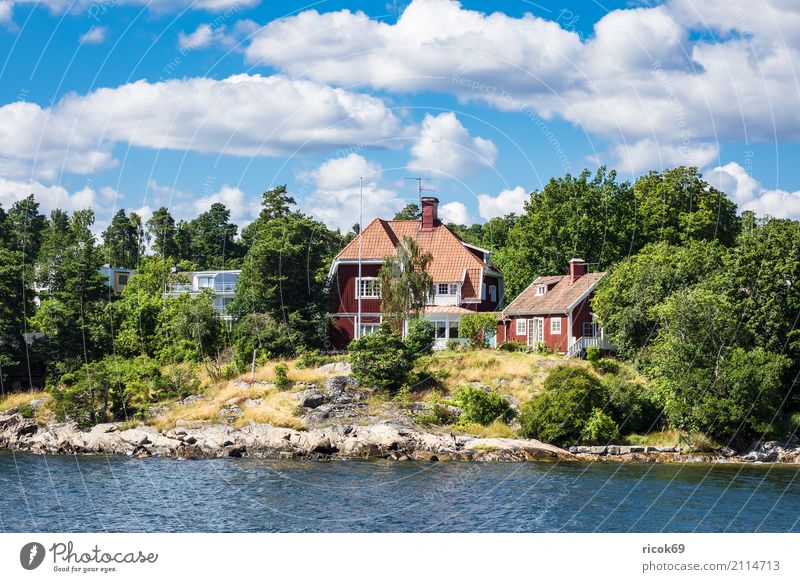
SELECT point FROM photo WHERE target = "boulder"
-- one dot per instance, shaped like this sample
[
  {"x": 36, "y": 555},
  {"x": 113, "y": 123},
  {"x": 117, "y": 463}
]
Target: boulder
[
  {"x": 311, "y": 398},
  {"x": 336, "y": 368}
]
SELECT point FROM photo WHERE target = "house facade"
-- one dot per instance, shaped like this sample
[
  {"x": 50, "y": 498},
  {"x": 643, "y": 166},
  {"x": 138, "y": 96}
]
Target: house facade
[
  {"x": 117, "y": 277},
  {"x": 556, "y": 312},
  {"x": 464, "y": 279},
  {"x": 221, "y": 283}
]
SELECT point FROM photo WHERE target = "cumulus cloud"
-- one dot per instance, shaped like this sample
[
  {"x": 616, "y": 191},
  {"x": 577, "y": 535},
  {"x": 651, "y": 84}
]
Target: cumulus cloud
[
  {"x": 677, "y": 72},
  {"x": 506, "y": 202},
  {"x": 203, "y": 115},
  {"x": 648, "y": 154},
  {"x": 49, "y": 197},
  {"x": 243, "y": 209},
  {"x": 445, "y": 147},
  {"x": 95, "y": 35},
  {"x": 96, "y": 10},
  {"x": 333, "y": 194},
  {"x": 455, "y": 212},
  {"x": 749, "y": 194}
]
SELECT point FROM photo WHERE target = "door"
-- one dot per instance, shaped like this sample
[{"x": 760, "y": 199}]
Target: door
[{"x": 535, "y": 331}]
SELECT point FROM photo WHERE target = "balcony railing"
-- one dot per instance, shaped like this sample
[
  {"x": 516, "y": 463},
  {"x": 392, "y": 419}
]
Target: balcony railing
[
  {"x": 188, "y": 288},
  {"x": 582, "y": 343}
]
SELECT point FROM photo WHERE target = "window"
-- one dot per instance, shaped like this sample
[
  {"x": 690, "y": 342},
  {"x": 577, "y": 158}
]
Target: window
[
  {"x": 368, "y": 328},
  {"x": 441, "y": 329},
  {"x": 369, "y": 287},
  {"x": 493, "y": 293},
  {"x": 205, "y": 282},
  {"x": 589, "y": 329},
  {"x": 453, "y": 330},
  {"x": 441, "y": 289},
  {"x": 483, "y": 292},
  {"x": 541, "y": 289},
  {"x": 555, "y": 325},
  {"x": 122, "y": 280},
  {"x": 522, "y": 327},
  {"x": 225, "y": 282},
  {"x": 453, "y": 289}
]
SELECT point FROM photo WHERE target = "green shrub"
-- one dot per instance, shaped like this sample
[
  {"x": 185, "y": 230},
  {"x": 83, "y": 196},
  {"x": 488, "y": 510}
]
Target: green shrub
[
  {"x": 600, "y": 428},
  {"x": 631, "y": 405},
  {"x": 593, "y": 355},
  {"x": 282, "y": 376},
  {"x": 437, "y": 413},
  {"x": 381, "y": 360},
  {"x": 543, "y": 349},
  {"x": 479, "y": 406},
  {"x": 27, "y": 411},
  {"x": 474, "y": 327},
  {"x": 312, "y": 358},
  {"x": 264, "y": 334},
  {"x": 420, "y": 338},
  {"x": 559, "y": 414},
  {"x": 606, "y": 366},
  {"x": 454, "y": 346},
  {"x": 514, "y": 346}
]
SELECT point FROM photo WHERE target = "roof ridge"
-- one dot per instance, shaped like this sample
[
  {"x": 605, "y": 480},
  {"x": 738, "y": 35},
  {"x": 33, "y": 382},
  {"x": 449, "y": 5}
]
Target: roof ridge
[{"x": 355, "y": 238}]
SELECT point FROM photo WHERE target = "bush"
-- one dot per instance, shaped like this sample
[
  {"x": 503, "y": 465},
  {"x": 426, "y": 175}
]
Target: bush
[
  {"x": 560, "y": 413},
  {"x": 479, "y": 406},
  {"x": 631, "y": 405},
  {"x": 312, "y": 358},
  {"x": 454, "y": 346},
  {"x": 420, "y": 338},
  {"x": 437, "y": 413},
  {"x": 381, "y": 360},
  {"x": 606, "y": 366},
  {"x": 593, "y": 355},
  {"x": 514, "y": 346},
  {"x": 265, "y": 335},
  {"x": 282, "y": 376},
  {"x": 473, "y": 328},
  {"x": 600, "y": 428}
]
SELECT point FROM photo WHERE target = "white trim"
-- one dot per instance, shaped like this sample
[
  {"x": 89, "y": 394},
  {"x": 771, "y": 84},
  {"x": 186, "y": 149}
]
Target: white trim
[
  {"x": 554, "y": 320},
  {"x": 336, "y": 262},
  {"x": 358, "y": 288},
  {"x": 517, "y": 330}
]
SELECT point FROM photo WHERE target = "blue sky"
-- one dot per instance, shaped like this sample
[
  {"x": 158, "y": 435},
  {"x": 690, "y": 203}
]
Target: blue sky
[{"x": 141, "y": 104}]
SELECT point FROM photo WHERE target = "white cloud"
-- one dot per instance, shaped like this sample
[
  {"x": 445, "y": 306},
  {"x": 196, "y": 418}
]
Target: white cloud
[
  {"x": 203, "y": 115},
  {"x": 97, "y": 10},
  {"x": 6, "y": 7},
  {"x": 647, "y": 154},
  {"x": 445, "y": 147},
  {"x": 243, "y": 209},
  {"x": 200, "y": 38},
  {"x": 95, "y": 35},
  {"x": 455, "y": 212},
  {"x": 649, "y": 76},
  {"x": 506, "y": 202},
  {"x": 334, "y": 192},
  {"x": 749, "y": 194},
  {"x": 216, "y": 34}
]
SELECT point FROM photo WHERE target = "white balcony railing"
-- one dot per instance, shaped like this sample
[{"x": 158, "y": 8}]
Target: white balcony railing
[
  {"x": 189, "y": 288},
  {"x": 582, "y": 343}
]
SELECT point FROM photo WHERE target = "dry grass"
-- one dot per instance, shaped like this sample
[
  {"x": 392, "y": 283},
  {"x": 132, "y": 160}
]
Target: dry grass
[
  {"x": 498, "y": 429},
  {"x": 277, "y": 409},
  {"x": 305, "y": 375},
  {"x": 664, "y": 438},
  {"x": 20, "y": 399}
]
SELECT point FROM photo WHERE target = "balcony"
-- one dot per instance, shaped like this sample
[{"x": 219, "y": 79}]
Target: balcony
[{"x": 228, "y": 287}]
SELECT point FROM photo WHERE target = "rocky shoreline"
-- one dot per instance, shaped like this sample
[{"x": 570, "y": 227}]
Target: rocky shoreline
[{"x": 375, "y": 441}]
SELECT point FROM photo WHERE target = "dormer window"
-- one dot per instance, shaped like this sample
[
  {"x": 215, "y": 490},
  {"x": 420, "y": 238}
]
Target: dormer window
[
  {"x": 446, "y": 289},
  {"x": 541, "y": 289}
]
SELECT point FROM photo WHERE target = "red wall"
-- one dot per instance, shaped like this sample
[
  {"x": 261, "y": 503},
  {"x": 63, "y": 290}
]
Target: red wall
[
  {"x": 342, "y": 330},
  {"x": 556, "y": 342},
  {"x": 346, "y": 301},
  {"x": 580, "y": 314}
]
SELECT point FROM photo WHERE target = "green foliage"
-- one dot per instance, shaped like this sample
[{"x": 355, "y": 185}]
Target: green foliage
[
  {"x": 631, "y": 404},
  {"x": 560, "y": 413},
  {"x": 605, "y": 366},
  {"x": 162, "y": 231},
  {"x": 437, "y": 413},
  {"x": 191, "y": 330},
  {"x": 628, "y": 297},
  {"x": 454, "y": 346},
  {"x": 210, "y": 240},
  {"x": 312, "y": 358},
  {"x": 420, "y": 338},
  {"x": 513, "y": 346},
  {"x": 409, "y": 212},
  {"x": 124, "y": 240},
  {"x": 479, "y": 406},
  {"x": 405, "y": 284},
  {"x": 600, "y": 428},
  {"x": 282, "y": 381},
  {"x": 474, "y": 328},
  {"x": 381, "y": 360},
  {"x": 15, "y": 302},
  {"x": 593, "y": 355},
  {"x": 261, "y": 332}
]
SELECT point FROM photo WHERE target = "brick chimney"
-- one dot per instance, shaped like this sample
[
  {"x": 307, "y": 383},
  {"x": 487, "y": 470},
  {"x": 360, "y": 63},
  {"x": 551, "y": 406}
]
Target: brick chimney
[
  {"x": 577, "y": 269},
  {"x": 430, "y": 218}
]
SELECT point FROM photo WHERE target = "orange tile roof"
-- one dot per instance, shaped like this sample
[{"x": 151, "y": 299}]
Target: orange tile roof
[
  {"x": 452, "y": 261},
  {"x": 557, "y": 300}
]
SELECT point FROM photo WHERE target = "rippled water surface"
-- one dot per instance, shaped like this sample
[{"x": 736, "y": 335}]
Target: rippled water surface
[{"x": 117, "y": 494}]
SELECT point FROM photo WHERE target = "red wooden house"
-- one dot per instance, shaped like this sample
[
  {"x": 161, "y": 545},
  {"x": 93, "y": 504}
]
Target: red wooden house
[
  {"x": 464, "y": 280},
  {"x": 555, "y": 311}
]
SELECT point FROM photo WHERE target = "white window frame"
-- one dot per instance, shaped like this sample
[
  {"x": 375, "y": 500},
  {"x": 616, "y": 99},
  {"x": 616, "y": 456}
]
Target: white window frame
[
  {"x": 592, "y": 326},
  {"x": 541, "y": 289},
  {"x": 453, "y": 288},
  {"x": 377, "y": 287},
  {"x": 437, "y": 323},
  {"x": 368, "y": 328},
  {"x": 522, "y": 327},
  {"x": 555, "y": 326}
]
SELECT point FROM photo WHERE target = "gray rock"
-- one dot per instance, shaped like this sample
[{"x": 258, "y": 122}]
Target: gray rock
[
  {"x": 310, "y": 398},
  {"x": 336, "y": 368}
]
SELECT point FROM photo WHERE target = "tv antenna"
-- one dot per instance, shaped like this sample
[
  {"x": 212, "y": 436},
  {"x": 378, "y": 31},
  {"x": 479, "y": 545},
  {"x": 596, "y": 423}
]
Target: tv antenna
[{"x": 420, "y": 186}]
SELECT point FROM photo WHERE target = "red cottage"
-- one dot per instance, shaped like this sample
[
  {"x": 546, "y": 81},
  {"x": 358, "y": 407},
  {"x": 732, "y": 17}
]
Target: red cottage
[
  {"x": 556, "y": 311},
  {"x": 464, "y": 280}
]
